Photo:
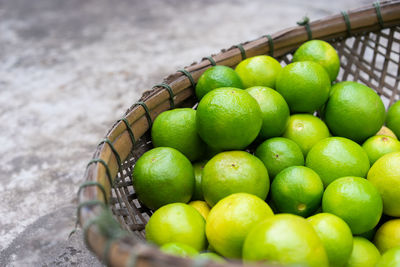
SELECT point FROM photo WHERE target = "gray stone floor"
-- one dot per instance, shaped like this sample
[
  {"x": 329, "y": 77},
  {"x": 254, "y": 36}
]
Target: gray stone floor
[{"x": 69, "y": 68}]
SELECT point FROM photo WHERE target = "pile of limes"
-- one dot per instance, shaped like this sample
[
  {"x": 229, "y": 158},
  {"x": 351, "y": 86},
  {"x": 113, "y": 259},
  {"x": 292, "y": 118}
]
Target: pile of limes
[{"x": 277, "y": 164}]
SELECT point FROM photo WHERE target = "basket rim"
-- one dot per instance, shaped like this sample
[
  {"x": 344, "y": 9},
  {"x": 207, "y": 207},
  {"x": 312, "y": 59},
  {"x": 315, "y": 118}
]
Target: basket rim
[{"x": 121, "y": 250}]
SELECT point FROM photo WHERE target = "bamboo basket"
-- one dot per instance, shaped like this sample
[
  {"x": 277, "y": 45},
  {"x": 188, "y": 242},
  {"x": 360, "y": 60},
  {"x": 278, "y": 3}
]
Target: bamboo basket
[{"x": 113, "y": 220}]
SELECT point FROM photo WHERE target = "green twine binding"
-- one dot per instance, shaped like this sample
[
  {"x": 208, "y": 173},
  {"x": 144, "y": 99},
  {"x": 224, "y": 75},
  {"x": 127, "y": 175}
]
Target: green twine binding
[
  {"x": 242, "y": 51},
  {"x": 171, "y": 93},
  {"x": 347, "y": 21},
  {"x": 128, "y": 128},
  {"x": 92, "y": 183},
  {"x": 212, "y": 61},
  {"x": 271, "y": 45},
  {"x": 105, "y": 166},
  {"x": 189, "y": 76},
  {"x": 306, "y": 24},
  {"x": 78, "y": 212},
  {"x": 117, "y": 157},
  {"x": 377, "y": 6},
  {"x": 146, "y": 109}
]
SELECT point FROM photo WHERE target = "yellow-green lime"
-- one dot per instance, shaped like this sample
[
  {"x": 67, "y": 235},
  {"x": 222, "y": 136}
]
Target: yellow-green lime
[
  {"x": 364, "y": 253},
  {"x": 163, "y": 175},
  {"x": 388, "y": 235},
  {"x": 305, "y": 86},
  {"x": 198, "y": 173},
  {"x": 177, "y": 222},
  {"x": 379, "y": 145},
  {"x": 336, "y": 236},
  {"x": 393, "y": 118},
  {"x": 386, "y": 131},
  {"x": 297, "y": 190},
  {"x": 228, "y": 118},
  {"x": 287, "y": 240},
  {"x": 217, "y": 77},
  {"x": 179, "y": 249},
  {"x": 306, "y": 130},
  {"x": 201, "y": 206},
  {"x": 231, "y": 219},
  {"x": 356, "y": 201},
  {"x": 259, "y": 71},
  {"x": 275, "y": 111},
  {"x": 210, "y": 256},
  {"x": 390, "y": 258}
]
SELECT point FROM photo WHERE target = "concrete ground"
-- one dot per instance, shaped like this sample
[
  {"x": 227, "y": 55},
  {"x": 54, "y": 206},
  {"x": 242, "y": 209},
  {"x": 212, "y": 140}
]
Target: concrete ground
[{"x": 69, "y": 69}]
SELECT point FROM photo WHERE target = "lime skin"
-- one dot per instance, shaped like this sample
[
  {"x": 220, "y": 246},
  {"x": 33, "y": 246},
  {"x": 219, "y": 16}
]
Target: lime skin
[{"x": 393, "y": 118}]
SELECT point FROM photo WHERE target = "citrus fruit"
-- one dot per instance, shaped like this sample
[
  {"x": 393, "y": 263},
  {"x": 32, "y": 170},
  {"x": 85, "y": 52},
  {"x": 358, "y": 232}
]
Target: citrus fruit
[
  {"x": 385, "y": 176},
  {"x": 177, "y": 129},
  {"x": 201, "y": 207},
  {"x": 393, "y": 118},
  {"x": 285, "y": 239},
  {"x": 386, "y": 131},
  {"x": 336, "y": 157},
  {"x": 198, "y": 173},
  {"x": 356, "y": 201},
  {"x": 336, "y": 236},
  {"x": 259, "y": 71},
  {"x": 210, "y": 256},
  {"x": 322, "y": 53},
  {"x": 306, "y": 130},
  {"x": 233, "y": 172},
  {"x": 231, "y": 219},
  {"x": 364, "y": 253},
  {"x": 297, "y": 190},
  {"x": 379, "y": 145},
  {"x": 354, "y": 111},
  {"x": 305, "y": 86},
  {"x": 278, "y": 153},
  {"x": 179, "y": 249},
  {"x": 390, "y": 258},
  {"x": 388, "y": 235},
  {"x": 177, "y": 222},
  {"x": 228, "y": 118},
  {"x": 217, "y": 77},
  {"x": 163, "y": 175},
  {"x": 275, "y": 111}
]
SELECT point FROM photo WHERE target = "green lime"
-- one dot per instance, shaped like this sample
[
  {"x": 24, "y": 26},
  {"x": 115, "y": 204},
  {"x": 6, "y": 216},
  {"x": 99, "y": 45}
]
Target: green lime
[
  {"x": 201, "y": 206},
  {"x": 177, "y": 222},
  {"x": 233, "y": 172},
  {"x": 385, "y": 176},
  {"x": 275, "y": 111},
  {"x": 379, "y": 145},
  {"x": 231, "y": 219},
  {"x": 354, "y": 111},
  {"x": 320, "y": 52},
  {"x": 161, "y": 176},
  {"x": 210, "y": 256},
  {"x": 336, "y": 236},
  {"x": 356, "y": 201},
  {"x": 306, "y": 130},
  {"x": 364, "y": 253},
  {"x": 217, "y": 77},
  {"x": 177, "y": 129},
  {"x": 278, "y": 153},
  {"x": 386, "y": 131},
  {"x": 388, "y": 235},
  {"x": 259, "y": 71},
  {"x": 179, "y": 249},
  {"x": 297, "y": 190},
  {"x": 228, "y": 118},
  {"x": 305, "y": 86},
  {"x": 336, "y": 157},
  {"x": 285, "y": 239},
  {"x": 390, "y": 258},
  {"x": 393, "y": 118},
  {"x": 198, "y": 173}
]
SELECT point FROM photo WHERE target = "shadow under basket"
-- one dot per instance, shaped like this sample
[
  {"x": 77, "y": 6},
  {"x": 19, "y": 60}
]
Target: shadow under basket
[{"x": 113, "y": 220}]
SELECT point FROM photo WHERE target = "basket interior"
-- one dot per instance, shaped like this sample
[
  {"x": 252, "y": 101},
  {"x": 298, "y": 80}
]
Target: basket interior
[{"x": 371, "y": 58}]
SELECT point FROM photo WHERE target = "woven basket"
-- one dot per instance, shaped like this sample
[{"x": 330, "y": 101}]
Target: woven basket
[{"x": 113, "y": 220}]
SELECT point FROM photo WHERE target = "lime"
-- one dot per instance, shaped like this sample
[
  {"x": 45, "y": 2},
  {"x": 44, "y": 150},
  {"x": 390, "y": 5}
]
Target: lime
[
  {"x": 179, "y": 249},
  {"x": 386, "y": 131},
  {"x": 305, "y": 86},
  {"x": 379, "y": 145},
  {"x": 210, "y": 256},
  {"x": 390, "y": 258},
  {"x": 177, "y": 222},
  {"x": 306, "y": 130},
  {"x": 297, "y": 190},
  {"x": 231, "y": 219},
  {"x": 354, "y": 111},
  {"x": 364, "y": 253},
  {"x": 163, "y": 175},
  {"x": 279, "y": 153},
  {"x": 217, "y": 77},
  {"x": 233, "y": 172},
  {"x": 385, "y": 176},
  {"x": 393, "y": 118},
  {"x": 259, "y": 71},
  {"x": 388, "y": 235},
  {"x": 287, "y": 240},
  {"x": 275, "y": 111},
  {"x": 198, "y": 173},
  {"x": 320, "y": 52},
  {"x": 336, "y": 157},
  {"x": 228, "y": 118},
  {"x": 336, "y": 236},
  {"x": 356, "y": 201},
  {"x": 201, "y": 207}
]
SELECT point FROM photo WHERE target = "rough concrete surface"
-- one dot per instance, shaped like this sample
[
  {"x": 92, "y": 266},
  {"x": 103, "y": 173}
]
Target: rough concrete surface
[{"x": 69, "y": 69}]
